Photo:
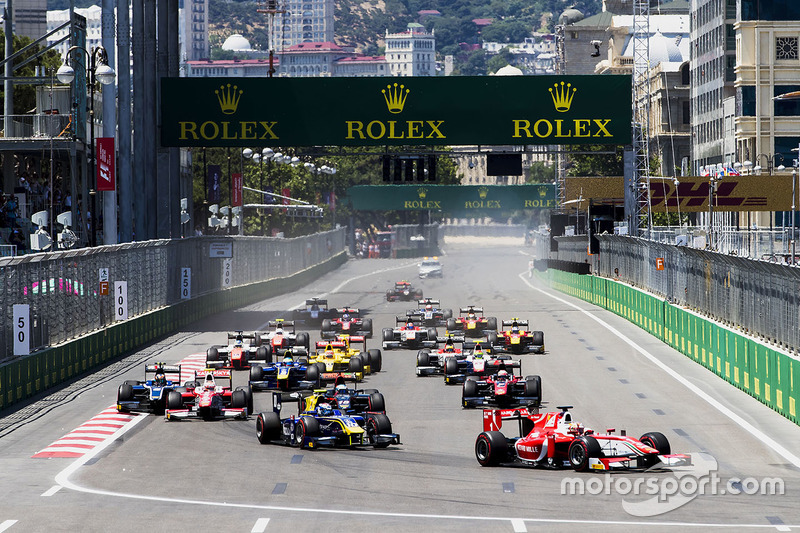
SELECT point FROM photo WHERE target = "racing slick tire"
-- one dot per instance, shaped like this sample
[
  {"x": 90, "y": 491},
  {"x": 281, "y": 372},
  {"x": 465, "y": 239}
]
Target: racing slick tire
[
  {"x": 366, "y": 325},
  {"x": 212, "y": 354},
  {"x": 376, "y": 402},
  {"x": 320, "y": 367},
  {"x": 388, "y": 334},
  {"x": 302, "y": 339},
  {"x": 432, "y": 334},
  {"x": 447, "y": 314},
  {"x": 307, "y": 426},
  {"x": 388, "y": 296},
  {"x": 581, "y": 450},
  {"x": 656, "y": 440},
  {"x": 125, "y": 392},
  {"x": 423, "y": 358},
  {"x": 268, "y": 427},
  {"x": 418, "y": 295},
  {"x": 451, "y": 324},
  {"x": 356, "y": 364},
  {"x": 248, "y": 396},
  {"x": 256, "y": 338},
  {"x": 491, "y": 338},
  {"x": 533, "y": 387},
  {"x": 262, "y": 354},
  {"x": 491, "y": 448},
  {"x": 537, "y": 338},
  {"x": 375, "y": 360},
  {"x": 312, "y": 374},
  {"x": 469, "y": 390},
  {"x": 378, "y": 424},
  {"x": 174, "y": 400},
  {"x": 238, "y": 399},
  {"x": 491, "y": 323},
  {"x": 256, "y": 373},
  {"x": 450, "y": 366}
]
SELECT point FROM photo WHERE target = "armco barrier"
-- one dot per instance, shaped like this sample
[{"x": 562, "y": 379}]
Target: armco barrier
[
  {"x": 31, "y": 375},
  {"x": 769, "y": 375}
]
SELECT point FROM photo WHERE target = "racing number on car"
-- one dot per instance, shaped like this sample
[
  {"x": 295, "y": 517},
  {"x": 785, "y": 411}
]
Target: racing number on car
[
  {"x": 227, "y": 272},
  {"x": 120, "y": 300},
  {"x": 186, "y": 283},
  {"x": 22, "y": 315}
]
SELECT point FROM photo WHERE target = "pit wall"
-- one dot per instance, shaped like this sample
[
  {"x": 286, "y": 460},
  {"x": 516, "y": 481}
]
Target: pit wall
[
  {"x": 24, "y": 378},
  {"x": 769, "y": 375}
]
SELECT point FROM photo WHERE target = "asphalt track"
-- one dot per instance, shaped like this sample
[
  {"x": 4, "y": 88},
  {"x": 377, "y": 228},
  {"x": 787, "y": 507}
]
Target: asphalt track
[{"x": 163, "y": 476}]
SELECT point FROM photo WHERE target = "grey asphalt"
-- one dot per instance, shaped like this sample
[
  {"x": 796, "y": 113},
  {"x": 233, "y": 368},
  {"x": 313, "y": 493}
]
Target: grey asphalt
[{"x": 163, "y": 476}]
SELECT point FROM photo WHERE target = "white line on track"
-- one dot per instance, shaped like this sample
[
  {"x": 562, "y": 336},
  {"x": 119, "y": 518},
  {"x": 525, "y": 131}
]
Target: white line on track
[
  {"x": 7, "y": 524},
  {"x": 738, "y": 420},
  {"x": 52, "y": 490},
  {"x": 519, "y": 526},
  {"x": 260, "y": 525},
  {"x": 62, "y": 478}
]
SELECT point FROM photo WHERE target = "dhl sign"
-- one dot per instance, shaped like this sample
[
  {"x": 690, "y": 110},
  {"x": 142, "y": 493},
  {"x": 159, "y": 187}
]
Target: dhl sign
[{"x": 691, "y": 194}]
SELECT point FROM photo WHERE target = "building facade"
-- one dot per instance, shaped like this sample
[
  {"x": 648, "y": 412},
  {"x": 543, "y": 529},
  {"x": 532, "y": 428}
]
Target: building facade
[
  {"x": 306, "y": 21},
  {"x": 311, "y": 59},
  {"x": 195, "y": 30},
  {"x": 411, "y": 52}
]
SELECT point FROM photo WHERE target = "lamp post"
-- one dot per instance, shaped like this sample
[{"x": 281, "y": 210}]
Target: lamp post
[{"x": 99, "y": 71}]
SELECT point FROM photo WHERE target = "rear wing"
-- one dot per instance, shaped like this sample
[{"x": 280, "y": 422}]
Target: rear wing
[
  {"x": 353, "y": 339},
  {"x": 223, "y": 374},
  {"x": 278, "y": 398},
  {"x": 240, "y": 334},
  {"x": 509, "y": 323},
  {"x": 405, "y": 319},
  {"x": 352, "y": 311},
  {"x": 322, "y": 345},
  {"x": 280, "y": 323},
  {"x": 493, "y": 418},
  {"x": 426, "y": 301},
  {"x": 168, "y": 370},
  {"x": 316, "y": 301},
  {"x": 464, "y": 310}
]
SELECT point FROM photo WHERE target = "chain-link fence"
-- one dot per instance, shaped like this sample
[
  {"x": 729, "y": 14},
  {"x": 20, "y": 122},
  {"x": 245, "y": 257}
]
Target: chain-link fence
[{"x": 63, "y": 288}]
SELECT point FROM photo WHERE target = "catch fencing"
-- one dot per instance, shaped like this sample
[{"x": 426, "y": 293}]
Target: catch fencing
[{"x": 63, "y": 288}]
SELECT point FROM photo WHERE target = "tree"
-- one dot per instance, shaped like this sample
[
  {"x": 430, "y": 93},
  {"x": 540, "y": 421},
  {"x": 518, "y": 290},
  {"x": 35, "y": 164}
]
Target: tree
[{"x": 25, "y": 95}]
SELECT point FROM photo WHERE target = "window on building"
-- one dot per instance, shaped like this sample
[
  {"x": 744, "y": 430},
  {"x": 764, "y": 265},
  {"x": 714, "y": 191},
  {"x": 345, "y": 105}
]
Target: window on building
[
  {"x": 786, "y": 48},
  {"x": 786, "y": 108}
]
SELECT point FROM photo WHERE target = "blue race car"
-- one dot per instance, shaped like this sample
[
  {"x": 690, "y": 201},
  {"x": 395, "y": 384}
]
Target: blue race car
[
  {"x": 324, "y": 426},
  {"x": 151, "y": 394},
  {"x": 285, "y": 375}
]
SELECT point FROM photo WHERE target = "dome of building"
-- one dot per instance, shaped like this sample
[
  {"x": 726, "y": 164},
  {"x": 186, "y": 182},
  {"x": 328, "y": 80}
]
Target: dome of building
[
  {"x": 508, "y": 70},
  {"x": 570, "y": 16},
  {"x": 236, "y": 43},
  {"x": 664, "y": 49}
]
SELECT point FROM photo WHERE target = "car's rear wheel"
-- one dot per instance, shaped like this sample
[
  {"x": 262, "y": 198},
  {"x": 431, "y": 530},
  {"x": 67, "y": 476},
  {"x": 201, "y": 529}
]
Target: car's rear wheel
[
  {"x": 320, "y": 367},
  {"x": 491, "y": 323},
  {"x": 356, "y": 365},
  {"x": 174, "y": 400},
  {"x": 262, "y": 355},
  {"x": 533, "y": 387},
  {"x": 388, "y": 334},
  {"x": 491, "y": 448},
  {"x": 306, "y": 427},
  {"x": 447, "y": 314},
  {"x": 581, "y": 450},
  {"x": 268, "y": 427},
  {"x": 537, "y": 337},
  {"x": 302, "y": 339},
  {"x": 212, "y": 354},
  {"x": 432, "y": 334},
  {"x": 248, "y": 396},
  {"x": 378, "y": 424},
  {"x": 376, "y": 402},
  {"x": 326, "y": 324},
  {"x": 491, "y": 338},
  {"x": 256, "y": 338},
  {"x": 450, "y": 366},
  {"x": 656, "y": 440},
  {"x": 312, "y": 374},
  {"x": 451, "y": 324},
  {"x": 125, "y": 393},
  {"x": 375, "y": 360},
  {"x": 238, "y": 399},
  {"x": 256, "y": 373},
  {"x": 469, "y": 390},
  {"x": 423, "y": 358},
  {"x": 366, "y": 325}
]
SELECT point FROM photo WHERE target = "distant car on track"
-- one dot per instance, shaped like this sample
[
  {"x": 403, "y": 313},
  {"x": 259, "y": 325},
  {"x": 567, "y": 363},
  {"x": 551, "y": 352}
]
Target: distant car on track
[
  {"x": 514, "y": 338},
  {"x": 504, "y": 389},
  {"x": 409, "y": 334},
  {"x": 286, "y": 375},
  {"x": 471, "y": 323},
  {"x": 403, "y": 291},
  {"x": 430, "y": 267},
  {"x": 149, "y": 395},
  {"x": 283, "y": 337},
  {"x": 210, "y": 396},
  {"x": 239, "y": 353},
  {"x": 348, "y": 321},
  {"x": 429, "y": 313},
  {"x": 315, "y": 311}
]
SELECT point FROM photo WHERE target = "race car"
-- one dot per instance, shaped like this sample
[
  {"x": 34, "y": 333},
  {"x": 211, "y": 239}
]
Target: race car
[
  {"x": 430, "y": 362},
  {"x": 429, "y": 313},
  {"x": 340, "y": 359},
  {"x": 347, "y": 321},
  {"x": 504, "y": 389},
  {"x": 470, "y": 323},
  {"x": 409, "y": 335},
  {"x": 282, "y": 337},
  {"x": 349, "y": 401},
  {"x": 430, "y": 267},
  {"x": 403, "y": 291},
  {"x": 240, "y": 352},
  {"x": 286, "y": 375},
  {"x": 513, "y": 338},
  {"x": 324, "y": 426},
  {"x": 478, "y": 361},
  {"x": 149, "y": 395},
  {"x": 555, "y": 440},
  {"x": 209, "y": 397},
  {"x": 315, "y": 311}
]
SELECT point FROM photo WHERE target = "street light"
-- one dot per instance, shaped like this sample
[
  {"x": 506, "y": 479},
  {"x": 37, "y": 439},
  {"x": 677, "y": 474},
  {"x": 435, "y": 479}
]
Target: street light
[{"x": 99, "y": 70}]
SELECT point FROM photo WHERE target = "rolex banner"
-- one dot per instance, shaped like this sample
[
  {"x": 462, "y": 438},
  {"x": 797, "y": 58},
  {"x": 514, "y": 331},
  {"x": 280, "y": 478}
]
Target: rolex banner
[
  {"x": 461, "y": 198},
  {"x": 453, "y": 110}
]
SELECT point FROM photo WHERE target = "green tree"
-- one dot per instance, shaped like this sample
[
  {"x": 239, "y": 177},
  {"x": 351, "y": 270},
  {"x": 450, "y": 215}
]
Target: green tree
[{"x": 25, "y": 95}]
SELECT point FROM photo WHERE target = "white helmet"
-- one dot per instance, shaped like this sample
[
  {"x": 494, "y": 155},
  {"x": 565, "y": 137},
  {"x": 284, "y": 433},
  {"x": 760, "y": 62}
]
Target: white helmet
[
  {"x": 502, "y": 374},
  {"x": 324, "y": 409},
  {"x": 210, "y": 383},
  {"x": 341, "y": 388}
]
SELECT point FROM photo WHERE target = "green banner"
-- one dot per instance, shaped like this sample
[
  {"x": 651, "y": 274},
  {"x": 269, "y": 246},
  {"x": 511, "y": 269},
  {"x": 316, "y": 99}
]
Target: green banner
[
  {"x": 452, "y": 110},
  {"x": 462, "y": 198}
]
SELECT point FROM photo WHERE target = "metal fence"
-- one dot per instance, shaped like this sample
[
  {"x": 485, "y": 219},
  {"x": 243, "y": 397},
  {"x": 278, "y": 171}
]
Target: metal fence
[{"x": 62, "y": 288}]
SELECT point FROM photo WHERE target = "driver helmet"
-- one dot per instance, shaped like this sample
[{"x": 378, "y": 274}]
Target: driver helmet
[
  {"x": 288, "y": 359},
  {"x": 575, "y": 428},
  {"x": 238, "y": 343},
  {"x": 478, "y": 351},
  {"x": 160, "y": 379},
  {"x": 503, "y": 374},
  {"x": 324, "y": 409},
  {"x": 410, "y": 324},
  {"x": 340, "y": 389},
  {"x": 449, "y": 346},
  {"x": 210, "y": 383},
  {"x": 515, "y": 329},
  {"x": 346, "y": 316},
  {"x": 429, "y": 307}
]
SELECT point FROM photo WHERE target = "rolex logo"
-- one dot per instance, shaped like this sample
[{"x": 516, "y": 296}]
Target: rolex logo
[
  {"x": 542, "y": 192},
  {"x": 483, "y": 192},
  {"x": 228, "y": 98},
  {"x": 395, "y": 97},
  {"x": 562, "y": 98},
  {"x": 422, "y": 192}
]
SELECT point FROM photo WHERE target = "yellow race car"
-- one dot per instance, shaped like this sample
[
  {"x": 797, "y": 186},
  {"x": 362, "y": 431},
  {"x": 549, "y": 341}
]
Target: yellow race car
[{"x": 340, "y": 358}]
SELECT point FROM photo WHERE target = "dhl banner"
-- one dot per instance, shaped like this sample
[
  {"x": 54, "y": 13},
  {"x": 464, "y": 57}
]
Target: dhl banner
[{"x": 691, "y": 194}]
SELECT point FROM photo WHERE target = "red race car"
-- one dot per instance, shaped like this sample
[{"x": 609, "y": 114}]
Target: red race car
[
  {"x": 403, "y": 291},
  {"x": 471, "y": 324},
  {"x": 348, "y": 321},
  {"x": 555, "y": 440},
  {"x": 209, "y": 398},
  {"x": 514, "y": 338},
  {"x": 503, "y": 389}
]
